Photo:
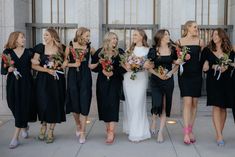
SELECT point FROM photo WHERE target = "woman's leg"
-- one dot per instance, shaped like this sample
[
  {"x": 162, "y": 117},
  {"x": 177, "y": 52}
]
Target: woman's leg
[
  {"x": 162, "y": 121},
  {"x": 15, "y": 139},
  {"x": 78, "y": 124},
  {"x": 83, "y": 120},
  {"x": 217, "y": 119},
  {"x": 187, "y": 103},
  {"x": 50, "y": 134}
]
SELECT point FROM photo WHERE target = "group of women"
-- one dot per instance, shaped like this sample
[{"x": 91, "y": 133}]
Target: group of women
[{"x": 48, "y": 97}]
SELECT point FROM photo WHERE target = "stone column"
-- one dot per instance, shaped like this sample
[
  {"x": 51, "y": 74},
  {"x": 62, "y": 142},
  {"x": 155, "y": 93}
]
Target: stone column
[{"x": 14, "y": 15}]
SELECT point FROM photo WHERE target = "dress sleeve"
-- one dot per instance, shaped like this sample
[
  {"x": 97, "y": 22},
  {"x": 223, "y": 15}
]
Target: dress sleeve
[
  {"x": 39, "y": 49},
  {"x": 204, "y": 55},
  {"x": 4, "y": 70},
  {"x": 95, "y": 59},
  {"x": 174, "y": 53},
  {"x": 151, "y": 54}
]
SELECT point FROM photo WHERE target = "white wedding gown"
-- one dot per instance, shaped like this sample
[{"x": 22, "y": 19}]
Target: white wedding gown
[{"x": 135, "y": 120}]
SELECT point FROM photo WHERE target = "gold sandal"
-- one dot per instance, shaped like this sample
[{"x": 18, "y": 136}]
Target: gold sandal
[
  {"x": 50, "y": 136},
  {"x": 42, "y": 132}
]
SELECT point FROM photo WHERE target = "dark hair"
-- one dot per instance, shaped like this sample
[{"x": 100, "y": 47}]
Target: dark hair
[
  {"x": 226, "y": 45},
  {"x": 158, "y": 37}
]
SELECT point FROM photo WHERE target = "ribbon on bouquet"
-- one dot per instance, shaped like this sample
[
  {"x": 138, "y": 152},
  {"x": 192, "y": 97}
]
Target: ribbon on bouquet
[
  {"x": 17, "y": 74},
  {"x": 181, "y": 68},
  {"x": 56, "y": 74},
  {"x": 217, "y": 68}
]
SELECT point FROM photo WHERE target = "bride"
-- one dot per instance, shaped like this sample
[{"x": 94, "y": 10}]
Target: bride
[{"x": 135, "y": 120}]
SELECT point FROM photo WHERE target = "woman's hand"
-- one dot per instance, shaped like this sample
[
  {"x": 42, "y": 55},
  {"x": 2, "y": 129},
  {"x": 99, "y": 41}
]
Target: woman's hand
[
  {"x": 223, "y": 68},
  {"x": 107, "y": 74},
  {"x": 148, "y": 64},
  {"x": 205, "y": 66},
  {"x": 77, "y": 63},
  {"x": 51, "y": 72},
  {"x": 65, "y": 64},
  {"x": 127, "y": 67},
  {"x": 11, "y": 69},
  {"x": 93, "y": 66},
  {"x": 179, "y": 61}
]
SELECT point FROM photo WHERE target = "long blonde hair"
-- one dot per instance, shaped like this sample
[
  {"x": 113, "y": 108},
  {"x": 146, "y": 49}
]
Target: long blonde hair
[
  {"x": 186, "y": 27},
  {"x": 144, "y": 41},
  {"x": 78, "y": 35},
  {"x": 107, "y": 46},
  {"x": 12, "y": 40},
  {"x": 56, "y": 39}
]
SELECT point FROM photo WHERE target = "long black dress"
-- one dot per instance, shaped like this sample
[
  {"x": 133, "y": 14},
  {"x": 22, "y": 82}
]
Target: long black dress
[
  {"x": 190, "y": 82},
  {"x": 50, "y": 92},
  {"x": 79, "y": 87},
  {"x": 218, "y": 91},
  {"x": 161, "y": 87},
  {"x": 19, "y": 91},
  {"x": 108, "y": 90}
]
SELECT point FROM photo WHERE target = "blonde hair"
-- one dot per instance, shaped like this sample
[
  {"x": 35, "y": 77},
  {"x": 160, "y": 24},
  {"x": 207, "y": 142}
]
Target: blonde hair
[
  {"x": 56, "y": 39},
  {"x": 12, "y": 40},
  {"x": 106, "y": 42},
  {"x": 144, "y": 41},
  {"x": 78, "y": 35},
  {"x": 186, "y": 27}
]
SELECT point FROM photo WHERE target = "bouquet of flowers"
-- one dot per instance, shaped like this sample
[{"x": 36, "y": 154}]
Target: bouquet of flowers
[
  {"x": 106, "y": 62},
  {"x": 223, "y": 61},
  {"x": 136, "y": 64},
  {"x": 79, "y": 54},
  {"x": 8, "y": 62},
  {"x": 183, "y": 54},
  {"x": 161, "y": 70},
  {"x": 55, "y": 62}
]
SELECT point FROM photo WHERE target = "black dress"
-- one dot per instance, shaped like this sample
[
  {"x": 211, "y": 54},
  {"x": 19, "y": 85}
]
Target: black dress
[
  {"x": 108, "y": 90},
  {"x": 50, "y": 92},
  {"x": 233, "y": 84},
  {"x": 161, "y": 87},
  {"x": 79, "y": 87},
  {"x": 190, "y": 81},
  {"x": 19, "y": 91},
  {"x": 218, "y": 91}
]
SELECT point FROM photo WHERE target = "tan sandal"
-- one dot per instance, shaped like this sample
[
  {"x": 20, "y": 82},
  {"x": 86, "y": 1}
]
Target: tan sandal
[
  {"x": 42, "y": 132},
  {"x": 50, "y": 136}
]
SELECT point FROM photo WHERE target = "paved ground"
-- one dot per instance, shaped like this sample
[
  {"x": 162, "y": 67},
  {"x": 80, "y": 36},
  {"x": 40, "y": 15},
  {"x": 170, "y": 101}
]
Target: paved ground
[{"x": 66, "y": 145}]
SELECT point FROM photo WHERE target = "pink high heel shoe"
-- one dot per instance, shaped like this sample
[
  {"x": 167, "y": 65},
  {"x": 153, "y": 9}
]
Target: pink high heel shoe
[
  {"x": 192, "y": 140},
  {"x": 186, "y": 131}
]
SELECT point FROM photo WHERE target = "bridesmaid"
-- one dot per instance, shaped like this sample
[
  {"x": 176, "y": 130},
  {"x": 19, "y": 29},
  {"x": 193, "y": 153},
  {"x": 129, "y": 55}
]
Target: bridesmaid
[
  {"x": 109, "y": 84},
  {"x": 50, "y": 83},
  {"x": 218, "y": 86},
  {"x": 135, "y": 120},
  {"x": 233, "y": 82},
  {"x": 163, "y": 55},
  {"x": 79, "y": 82},
  {"x": 19, "y": 86},
  {"x": 190, "y": 81}
]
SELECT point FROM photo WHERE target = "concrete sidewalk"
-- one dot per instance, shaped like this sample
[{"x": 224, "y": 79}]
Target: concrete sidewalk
[{"x": 66, "y": 144}]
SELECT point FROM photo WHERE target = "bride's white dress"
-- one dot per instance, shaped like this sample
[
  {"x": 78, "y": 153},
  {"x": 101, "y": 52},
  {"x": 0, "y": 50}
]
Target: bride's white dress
[{"x": 135, "y": 120}]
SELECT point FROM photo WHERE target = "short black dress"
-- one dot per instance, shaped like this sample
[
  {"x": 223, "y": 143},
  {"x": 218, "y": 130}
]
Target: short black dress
[
  {"x": 161, "y": 87},
  {"x": 79, "y": 86},
  {"x": 20, "y": 91},
  {"x": 218, "y": 89},
  {"x": 233, "y": 84},
  {"x": 190, "y": 81},
  {"x": 50, "y": 92},
  {"x": 108, "y": 90}
]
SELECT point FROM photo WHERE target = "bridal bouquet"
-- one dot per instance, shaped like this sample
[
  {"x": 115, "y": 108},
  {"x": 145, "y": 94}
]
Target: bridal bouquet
[
  {"x": 223, "y": 61},
  {"x": 8, "y": 62},
  {"x": 183, "y": 54},
  {"x": 136, "y": 64},
  {"x": 55, "y": 62}
]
